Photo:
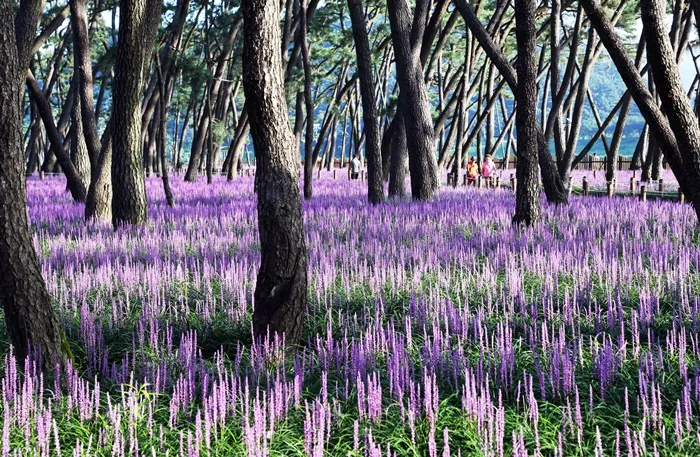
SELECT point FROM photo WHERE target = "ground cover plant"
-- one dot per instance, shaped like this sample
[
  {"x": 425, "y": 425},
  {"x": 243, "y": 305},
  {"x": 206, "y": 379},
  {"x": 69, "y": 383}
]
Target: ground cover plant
[{"x": 435, "y": 328}]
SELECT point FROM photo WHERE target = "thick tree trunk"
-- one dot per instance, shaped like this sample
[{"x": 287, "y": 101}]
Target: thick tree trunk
[
  {"x": 99, "y": 199},
  {"x": 29, "y": 313},
  {"x": 413, "y": 103},
  {"x": 399, "y": 160},
  {"x": 280, "y": 291},
  {"x": 138, "y": 24},
  {"x": 78, "y": 149},
  {"x": 369, "y": 104},
  {"x": 527, "y": 198}
]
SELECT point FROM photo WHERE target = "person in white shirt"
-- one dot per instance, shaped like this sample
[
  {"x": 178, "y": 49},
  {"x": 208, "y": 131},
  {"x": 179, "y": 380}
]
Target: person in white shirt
[{"x": 356, "y": 166}]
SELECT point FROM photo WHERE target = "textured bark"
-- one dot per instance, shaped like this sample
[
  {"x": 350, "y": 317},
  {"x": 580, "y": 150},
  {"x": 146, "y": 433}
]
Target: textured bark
[
  {"x": 78, "y": 149},
  {"x": 138, "y": 25},
  {"x": 527, "y": 198},
  {"x": 553, "y": 186},
  {"x": 399, "y": 159},
  {"x": 369, "y": 103},
  {"x": 281, "y": 287},
  {"x": 413, "y": 104},
  {"x": 29, "y": 314},
  {"x": 99, "y": 199}
]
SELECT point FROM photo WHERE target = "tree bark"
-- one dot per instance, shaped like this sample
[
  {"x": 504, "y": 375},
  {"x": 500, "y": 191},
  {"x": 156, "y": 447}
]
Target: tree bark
[
  {"x": 138, "y": 25},
  {"x": 369, "y": 103},
  {"x": 78, "y": 149},
  {"x": 413, "y": 103},
  {"x": 527, "y": 198},
  {"x": 281, "y": 287},
  {"x": 29, "y": 313}
]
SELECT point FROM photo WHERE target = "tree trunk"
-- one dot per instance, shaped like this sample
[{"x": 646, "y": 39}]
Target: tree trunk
[
  {"x": 138, "y": 25},
  {"x": 280, "y": 291},
  {"x": 413, "y": 103},
  {"x": 369, "y": 104},
  {"x": 75, "y": 183},
  {"x": 162, "y": 133},
  {"x": 527, "y": 198},
  {"x": 78, "y": 149},
  {"x": 29, "y": 313},
  {"x": 399, "y": 158},
  {"x": 308, "y": 103}
]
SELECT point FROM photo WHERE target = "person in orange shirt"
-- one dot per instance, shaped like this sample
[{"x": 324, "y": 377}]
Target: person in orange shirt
[{"x": 472, "y": 171}]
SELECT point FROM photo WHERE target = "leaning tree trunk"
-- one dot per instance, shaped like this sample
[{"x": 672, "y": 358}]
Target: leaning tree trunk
[
  {"x": 29, "y": 313},
  {"x": 682, "y": 153},
  {"x": 369, "y": 104},
  {"x": 138, "y": 25},
  {"x": 527, "y": 198},
  {"x": 75, "y": 183},
  {"x": 280, "y": 291},
  {"x": 413, "y": 103}
]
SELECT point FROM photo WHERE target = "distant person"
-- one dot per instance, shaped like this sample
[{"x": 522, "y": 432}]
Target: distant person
[
  {"x": 355, "y": 167},
  {"x": 488, "y": 169},
  {"x": 472, "y": 171}
]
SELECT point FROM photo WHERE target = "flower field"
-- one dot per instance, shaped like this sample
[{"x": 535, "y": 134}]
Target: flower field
[{"x": 433, "y": 329}]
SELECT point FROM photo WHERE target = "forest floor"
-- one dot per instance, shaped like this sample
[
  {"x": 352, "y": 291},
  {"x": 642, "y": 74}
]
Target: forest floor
[{"x": 434, "y": 329}]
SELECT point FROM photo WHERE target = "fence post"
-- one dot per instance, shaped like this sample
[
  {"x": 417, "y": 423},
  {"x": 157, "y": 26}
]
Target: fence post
[
  {"x": 643, "y": 193},
  {"x": 585, "y": 186},
  {"x": 334, "y": 173},
  {"x": 681, "y": 197},
  {"x": 619, "y": 163},
  {"x": 632, "y": 185},
  {"x": 498, "y": 182},
  {"x": 512, "y": 182},
  {"x": 661, "y": 186},
  {"x": 478, "y": 181}
]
